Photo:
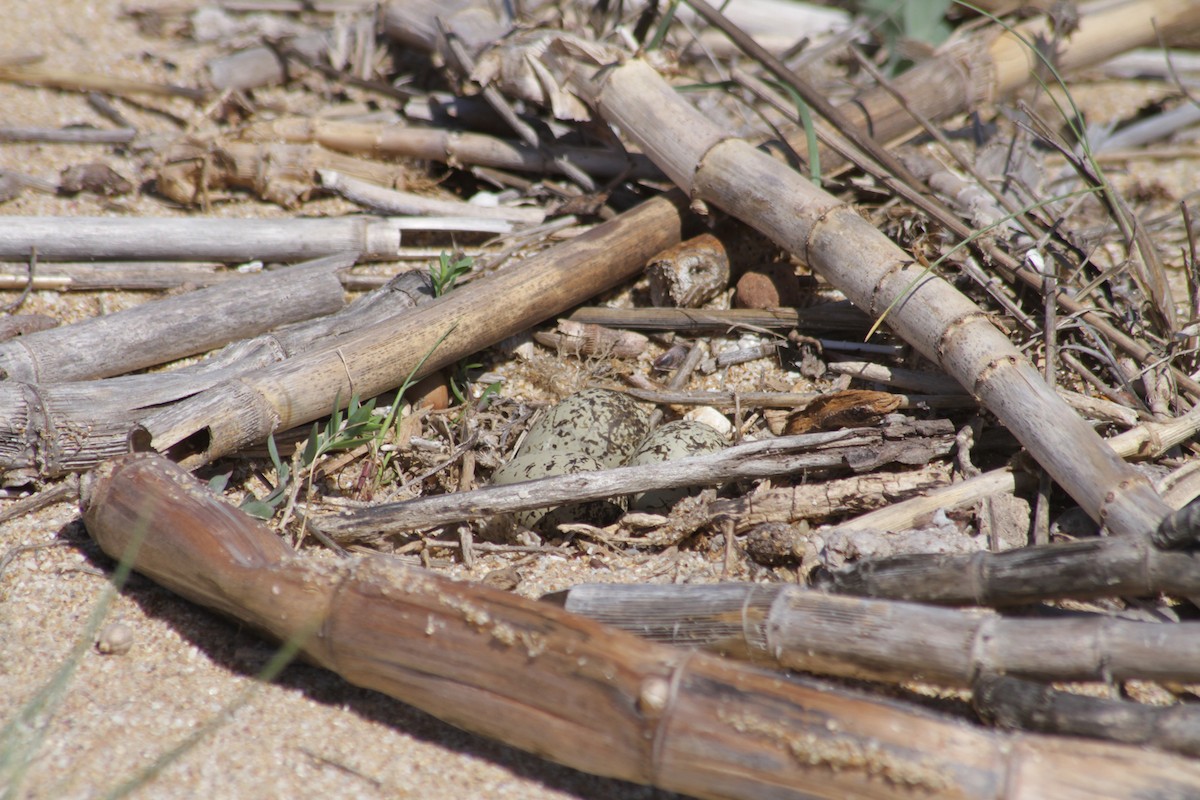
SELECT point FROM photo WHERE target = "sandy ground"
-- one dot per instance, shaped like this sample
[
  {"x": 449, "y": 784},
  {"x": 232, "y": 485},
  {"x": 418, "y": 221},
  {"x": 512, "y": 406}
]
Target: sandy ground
[
  {"x": 308, "y": 735},
  {"x": 114, "y": 716}
]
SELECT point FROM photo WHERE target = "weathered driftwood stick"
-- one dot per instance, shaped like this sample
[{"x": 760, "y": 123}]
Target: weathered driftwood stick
[
  {"x": 191, "y": 238},
  {"x": 886, "y": 640},
  {"x": 280, "y": 173},
  {"x": 164, "y": 330},
  {"x": 68, "y": 135},
  {"x": 817, "y": 502},
  {"x": 451, "y": 147},
  {"x": 875, "y": 274},
  {"x": 838, "y": 316},
  {"x": 578, "y": 692},
  {"x": 391, "y": 201},
  {"x": 64, "y": 427},
  {"x": 767, "y": 458},
  {"x": 1123, "y": 566},
  {"x": 989, "y": 63},
  {"x": 40, "y": 75},
  {"x": 126, "y": 275},
  {"x": 1148, "y": 440},
  {"x": 1027, "y": 705},
  {"x": 377, "y": 358}
]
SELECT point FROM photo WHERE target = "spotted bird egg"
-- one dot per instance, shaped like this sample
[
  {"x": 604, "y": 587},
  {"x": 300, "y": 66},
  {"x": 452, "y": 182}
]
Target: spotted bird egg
[
  {"x": 588, "y": 431},
  {"x": 674, "y": 440}
]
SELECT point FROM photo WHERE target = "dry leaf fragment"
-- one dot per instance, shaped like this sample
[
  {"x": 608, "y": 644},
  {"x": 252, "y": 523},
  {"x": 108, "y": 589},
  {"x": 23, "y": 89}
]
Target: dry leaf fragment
[{"x": 847, "y": 409}]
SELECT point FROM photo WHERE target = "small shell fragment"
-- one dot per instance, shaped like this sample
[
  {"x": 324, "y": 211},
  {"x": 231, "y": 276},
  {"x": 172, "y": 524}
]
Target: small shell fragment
[
  {"x": 115, "y": 638},
  {"x": 712, "y": 418}
]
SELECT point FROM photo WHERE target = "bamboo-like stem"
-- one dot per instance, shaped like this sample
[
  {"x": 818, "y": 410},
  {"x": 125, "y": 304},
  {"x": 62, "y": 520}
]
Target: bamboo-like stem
[
  {"x": 875, "y": 274},
  {"x": 65, "y": 427},
  {"x": 886, "y": 640},
  {"x": 986, "y": 65},
  {"x": 1123, "y": 566},
  {"x": 192, "y": 238},
  {"x": 378, "y": 358},
  {"x": 1027, "y": 705},
  {"x": 164, "y": 330},
  {"x": 391, "y": 201},
  {"x": 575, "y": 691},
  {"x": 837, "y": 316}
]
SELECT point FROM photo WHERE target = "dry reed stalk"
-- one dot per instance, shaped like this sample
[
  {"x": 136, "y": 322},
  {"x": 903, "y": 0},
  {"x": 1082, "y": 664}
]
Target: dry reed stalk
[
  {"x": 1027, "y": 705},
  {"x": 51, "y": 429},
  {"x": 68, "y": 135},
  {"x": 456, "y": 148},
  {"x": 378, "y": 358},
  {"x": 1124, "y": 566},
  {"x": 784, "y": 455},
  {"x": 575, "y": 691},
  {"x": 875, "y": 274},
  {"x": 985, "y": 65},
  {"x": 1148, "y": 440},
  {"x": 37, "y": 75},
  {"x": 130, "y": 276},
  {"x": 174, "y": 327},
  {"x": 837, "y": 316},
  {"x": 390, "y": 201},
  {"x": 883, "y": 640},
  {"x": 188, "y": 239}
]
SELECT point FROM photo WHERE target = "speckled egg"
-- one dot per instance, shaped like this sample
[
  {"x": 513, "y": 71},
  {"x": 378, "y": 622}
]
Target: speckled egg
[
  {"x": 674, "y": 440},
  {"x": 599, "y": 423},
  {"x": 543, "y": 464}
]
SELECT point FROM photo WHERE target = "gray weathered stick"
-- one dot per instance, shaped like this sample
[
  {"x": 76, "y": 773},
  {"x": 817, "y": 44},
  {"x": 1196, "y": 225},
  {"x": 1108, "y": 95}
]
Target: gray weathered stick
[
  {"x": 1123, "y": 566},
  {"x": 72, "y": 426},
  {"x": 838, "y": 316},
  {"x": 192, "y": 238},
  {"x": 767, "y": 458},
  {"x": 164, "y": 330},
  {"x": 887, "y": 640}
]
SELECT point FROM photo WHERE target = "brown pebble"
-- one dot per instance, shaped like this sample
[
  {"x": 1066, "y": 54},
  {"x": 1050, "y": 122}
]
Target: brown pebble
[
  {"x": 116, "y": 638},
  {"x": 772, "y": 544},
  {"x": 769, "y": 286},
  {"x": 505, "y": 579},
  {"x": 95, "y": 178},
  {"x": 430, "y": 391}
]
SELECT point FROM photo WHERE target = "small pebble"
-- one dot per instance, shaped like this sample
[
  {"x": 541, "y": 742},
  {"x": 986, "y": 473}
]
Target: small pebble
[
  {"x": 773, "y": 544},
  {"x": 116, "y": 639},
  {"x": 770, "y": 286}
]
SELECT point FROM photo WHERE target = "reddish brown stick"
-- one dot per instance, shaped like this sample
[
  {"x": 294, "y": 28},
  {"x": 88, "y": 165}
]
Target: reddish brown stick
[{"x": 579, "y": 692}]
